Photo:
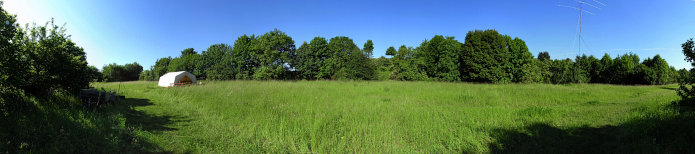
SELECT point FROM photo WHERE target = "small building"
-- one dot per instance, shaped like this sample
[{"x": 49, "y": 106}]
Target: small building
[{"x": 176, "y": 78}]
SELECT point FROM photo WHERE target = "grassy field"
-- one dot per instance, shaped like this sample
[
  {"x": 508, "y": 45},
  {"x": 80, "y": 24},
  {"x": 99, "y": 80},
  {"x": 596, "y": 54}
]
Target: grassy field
[{"x": 396, "y": 117}]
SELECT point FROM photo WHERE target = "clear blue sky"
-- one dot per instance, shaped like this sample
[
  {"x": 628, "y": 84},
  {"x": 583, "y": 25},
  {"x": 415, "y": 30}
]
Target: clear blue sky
[{"x": 145, "y": 30}]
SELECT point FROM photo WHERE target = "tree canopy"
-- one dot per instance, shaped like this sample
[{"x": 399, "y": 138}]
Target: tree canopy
[
  {"x": 41, "y": 59},
  {"x": 127, "y": 72},
  {"x": 686, "y": 84},
  {"x": 484, "y": 56}
]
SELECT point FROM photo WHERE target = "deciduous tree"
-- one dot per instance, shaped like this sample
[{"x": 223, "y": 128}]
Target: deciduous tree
[
  {"x": 486, "y": 58},
  {"x": 391, "y": 51},
  {"x": 218, "y": 62},
  {"x": 686, "y": 87},
  {"x": 311, "y": 57},
  {"x": 440, "y": 57},
  {"x": 245, "y": 55},
  {"x": 274, "y": 51}
]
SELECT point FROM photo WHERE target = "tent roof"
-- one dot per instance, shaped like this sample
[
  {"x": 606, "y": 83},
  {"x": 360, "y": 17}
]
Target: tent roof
[
  {"x": 174, "y": 73},
  {"x": 173, "y": 77}
]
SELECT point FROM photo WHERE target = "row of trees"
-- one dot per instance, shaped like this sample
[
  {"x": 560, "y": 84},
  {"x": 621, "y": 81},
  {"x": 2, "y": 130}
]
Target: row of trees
[
  {"x": 623, "y": 69},
  {"x": 485, "y": 56},
  {"x": 272, "y": 55},
  {"x": 115, "y": 72}
]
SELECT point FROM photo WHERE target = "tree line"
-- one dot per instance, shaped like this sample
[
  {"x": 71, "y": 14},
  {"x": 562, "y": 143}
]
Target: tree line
[
  {"x": 43, "y": 59},
  {"x": 115, "y": 72},
  {"x": 485, "y": 56},
  {"x": 272, "y": 55}
]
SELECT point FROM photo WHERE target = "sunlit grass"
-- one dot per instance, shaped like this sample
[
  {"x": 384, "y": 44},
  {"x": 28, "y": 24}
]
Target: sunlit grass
[{"x": 384, "y": 117}]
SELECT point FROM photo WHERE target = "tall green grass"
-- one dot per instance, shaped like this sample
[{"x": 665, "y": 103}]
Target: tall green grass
[
  {"x": 389, "y": 116},
  {"x": 58, "y": 123}
]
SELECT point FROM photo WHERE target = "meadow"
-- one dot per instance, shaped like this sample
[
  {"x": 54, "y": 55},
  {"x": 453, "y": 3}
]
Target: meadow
[{"x": 403, "y": 117}]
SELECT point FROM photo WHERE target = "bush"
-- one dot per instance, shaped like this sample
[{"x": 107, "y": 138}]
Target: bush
[
  {"x": 686, "y": 87},
  {"x": 54, "y": 61}
]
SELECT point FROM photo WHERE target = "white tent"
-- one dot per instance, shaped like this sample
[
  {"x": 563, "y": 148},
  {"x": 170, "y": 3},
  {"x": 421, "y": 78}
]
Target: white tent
[{"x": 181, "y": 77}]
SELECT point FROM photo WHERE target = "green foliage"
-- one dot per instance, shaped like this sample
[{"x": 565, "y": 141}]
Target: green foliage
[
  {"x": 358, "y": 65},
  {"x": 440, "y": 58},
  {"x": 14, "y": 62},
  {"x": 382, "y": 63},
  {"x": 41, "y": 70},
  {"x": 267, "y": 72},
  {"x": 686, "y": 89},
  {"x": 625, "y": 69},
  {"x": 269, "y": 56},
  {"x": 522, "y": 59},
  {"x": 532, "y": 72},
  {"x": 368, "y": 48},
  {"x": 188, "y": 61},
  {"x": 582, "y": 69},
  {"x": 128, "y": 72},
  {"x": 545, "y": 66},
  {"x": 605, "y": 72},
  {"x": 406, "y": 66},
  {"x": 543, "y": 56},
  {"x": 245, "y": 56},
  {"x": 310, "y": 58},
  {"x": 486, "y": 57},
  {"x": 673, "y": 75},
  {"x": 382, "y": 67},
  {"x": 689, "y": 51},
  {"x": 683, "y": 75},
  {"x": 658, "y": 71},
  {"x": 160, "y": 67},
  {"x": 218, "y": 62},
  {"x": 590, "y": 68},
  {"x": 53, "y": 60},
  {"x": 188, "y": 51},
  {"x": 274, "y": 51},
  {"x": 133, "y": 71},
  {"x": 147, "y": 75},
  {"x": 305, "y": 61},
  {"x": 391, "y": 51},
  {"x": 346, "y": 61},
  {"x": 93, "y": 74},
  {"x": 562, "y": 71}
]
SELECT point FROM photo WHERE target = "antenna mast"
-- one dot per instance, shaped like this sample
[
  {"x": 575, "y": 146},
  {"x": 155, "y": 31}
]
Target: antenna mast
[
  {"x": 581, "y": 12},
  {"x": 581, "y": 4}
]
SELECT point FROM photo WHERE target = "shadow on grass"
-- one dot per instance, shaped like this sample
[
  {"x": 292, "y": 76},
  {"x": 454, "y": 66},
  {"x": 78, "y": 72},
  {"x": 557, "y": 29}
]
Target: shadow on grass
[
  {"x": 52, "y": 125},
  {"x": 671, "y": 134},
  {"x": 148, "y": 122},
  {"x": 669, "y": 88}
]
